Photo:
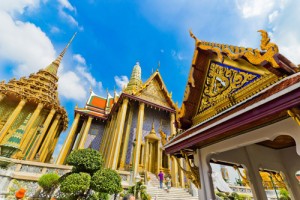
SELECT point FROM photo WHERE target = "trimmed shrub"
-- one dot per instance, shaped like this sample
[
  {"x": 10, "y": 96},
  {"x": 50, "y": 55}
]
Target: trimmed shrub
[
  {"x": 106, "y": 181},
  {"x": 48, "y": 181},
  {"x": 85, "y": 160},
  {"x": 76, "y": 183}
]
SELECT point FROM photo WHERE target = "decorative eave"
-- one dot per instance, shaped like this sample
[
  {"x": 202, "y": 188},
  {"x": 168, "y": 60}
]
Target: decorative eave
[
  {"x": 268, "y": 58},
  {"x": 96, "y": 115},
  {"x": 267, "y": 106}
]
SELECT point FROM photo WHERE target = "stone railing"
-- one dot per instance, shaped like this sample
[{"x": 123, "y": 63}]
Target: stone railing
[{"x": 20, "y": 173}]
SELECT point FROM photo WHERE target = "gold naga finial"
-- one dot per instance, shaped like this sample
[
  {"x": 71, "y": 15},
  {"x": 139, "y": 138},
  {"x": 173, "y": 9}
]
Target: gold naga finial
[{"x": 91, "y": 89}]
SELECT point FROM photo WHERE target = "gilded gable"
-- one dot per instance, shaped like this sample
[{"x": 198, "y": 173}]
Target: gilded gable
[
  {"x": 227, "y": 84},
  {"x": 153, "y": 93}
]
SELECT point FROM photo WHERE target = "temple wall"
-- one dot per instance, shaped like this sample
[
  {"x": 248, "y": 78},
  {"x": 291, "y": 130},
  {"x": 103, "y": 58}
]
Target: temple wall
[
  {"x": 151, "y": 115},
  {"x": 95, "y": 135}
]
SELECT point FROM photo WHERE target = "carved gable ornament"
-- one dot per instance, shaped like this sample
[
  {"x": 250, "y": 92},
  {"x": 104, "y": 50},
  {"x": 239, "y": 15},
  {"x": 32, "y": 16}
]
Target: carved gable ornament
[
  {"x": 153, "y": 92},
  {"x": 226, "y": 85}
]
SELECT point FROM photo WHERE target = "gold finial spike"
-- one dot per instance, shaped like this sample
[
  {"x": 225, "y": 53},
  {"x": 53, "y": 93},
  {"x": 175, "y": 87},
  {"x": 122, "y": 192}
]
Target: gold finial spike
[
  {"x": 91, "y": 89},
  {"x": 153, "y": 130},
  {"x": 61, "y": 55},
  {"x": 76, "y": 106},
  {"x": 158, "y": 66}
]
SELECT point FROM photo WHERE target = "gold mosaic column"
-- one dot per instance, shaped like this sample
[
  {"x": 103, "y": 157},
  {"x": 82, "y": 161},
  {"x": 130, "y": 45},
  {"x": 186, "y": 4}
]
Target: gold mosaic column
[
  {"x": 174, "y": 172},
  {"x": 26, "y": 139},
  {"x": 172, "y": 124},
  {"x": 50, "y": 136},
  {"x": 119, "y": 131},
  {"x": 146, "y": 154},
  {"x": 158, "y": 157},
  {"x": 108, "y": 146},
  {"x": 42, "y": 134},
  {"x": 85, "y": 133},
  {"x": 126, "y": 140},
  {"x": 11, "y": 119},
  {"x": 79, "y": 136},
  {"x": 181, "y": 175},
  {"x": 139, "y": 130},
  {"x": 114, "y": 134},
  {"x": 66, "y": 147},
  {"x": 104, "y": 138}
]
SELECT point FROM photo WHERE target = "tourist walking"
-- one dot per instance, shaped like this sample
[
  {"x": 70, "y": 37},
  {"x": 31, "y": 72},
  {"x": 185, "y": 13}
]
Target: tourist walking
[
  {"x": 168, "y": 183},
  {"x": 161, "y": 179}
]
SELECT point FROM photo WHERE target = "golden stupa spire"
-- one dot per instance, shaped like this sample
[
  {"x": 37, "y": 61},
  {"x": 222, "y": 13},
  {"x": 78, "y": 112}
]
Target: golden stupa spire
[
  {"x": 135, "y": 81},
  {"x": 53, "y": 67}
]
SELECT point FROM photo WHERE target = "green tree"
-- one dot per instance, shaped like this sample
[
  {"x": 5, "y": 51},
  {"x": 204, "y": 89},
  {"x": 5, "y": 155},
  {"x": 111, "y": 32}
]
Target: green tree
[
  {"x": 49, "y": 183},
  {"x": 88, "y": 179},
  {"x": 106, "y": 181},
  {"x": 85, "y": 160}
]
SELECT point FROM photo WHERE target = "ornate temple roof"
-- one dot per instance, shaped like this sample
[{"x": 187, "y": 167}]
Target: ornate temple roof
[
  {"x": 233, "y": 89},
  {"x": 98, "y": 106},
  {"x": 40, "y": 87}
]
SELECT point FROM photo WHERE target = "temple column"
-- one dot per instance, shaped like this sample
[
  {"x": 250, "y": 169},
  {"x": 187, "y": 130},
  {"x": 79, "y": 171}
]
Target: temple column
[
  {"x": 139, "y": 130},
  {"x": 181, "y": 175},
  {"x": 172, "y": 124},
  {"x": 112, "y": 146},
  {"x": 2, "y": 96},
  {"x": 79, "y": 135},
  {"x": 119, "y": 131},
  {"x": 51, "y": 145},
  {"x": 174, "y": 172},
  {"x": 146, "y": 155},
  {"x": 104, "y": 138},
  {"x": 42, "y": 134},
  {"x": 126, "y": 140},
  {"x": 27, "y": 137},
  {"x": 142, "y": 154},
  {"x": 150, "y": 157},
  {"x": 11, "y": 119},
  {"x": 66, "y": 147},
  {"x": 110, "y": 138},
  {"x": 50, "y": 136},
  {"x": 158, "y": 157},
  {"x": 85, "y": 133}
]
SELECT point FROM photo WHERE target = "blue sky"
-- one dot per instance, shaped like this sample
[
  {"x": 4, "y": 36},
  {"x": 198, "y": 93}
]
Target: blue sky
[{"x": 114, "y": 34}]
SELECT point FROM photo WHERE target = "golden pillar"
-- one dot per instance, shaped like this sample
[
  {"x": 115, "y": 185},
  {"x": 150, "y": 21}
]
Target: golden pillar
[
  {"x": 158, "y": 157},
  {"x": 126, "y": 139},
  {"x": 108, "y": 146},
  {"x": 104, "y": 138},
  {"x": 113, "y": 140},
  {"x": 174, "y": 172},
  {"x": 26, "y": 139},
  {"x": 79, "y": 136},
  {"x": 181, "y": 175},
  {"x": 2, "y": 96},
  {"x": 172, "y": 124},
  {"x": 142, "y": 154},
  {"x": 44, "y": 129},
  {"x": 50, "y": 136},
  {"x": 11, "y": 119},
  {"x": 146, "y": 154},
  {"x": 108, "y": 143},
  {"x": 85, "y": 133},
  {"x": 139, "y": 129},
  {"x": 66, "y": 147},
  {"x": 150, "y": 157},
  {"x": 119, "y": 133}
]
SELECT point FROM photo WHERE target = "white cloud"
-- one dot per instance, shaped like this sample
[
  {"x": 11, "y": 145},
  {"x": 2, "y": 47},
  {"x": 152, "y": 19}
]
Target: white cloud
[
  {"x": 54, "y": 29},
  {"x": 79, "y": 59},
  {"x": 88, "y": 76},
  {"x": 121, "y": 81},
  {"x": 65, "y": 4},
  {"x": 254, "y": 8},
  {"x": 71, "y": 87},
  {"x": 176, "y": 55},
  {"x": 23, "y": 43},
  {"x": 18, "y": 6},
  {"x": 273, "y": 16}
]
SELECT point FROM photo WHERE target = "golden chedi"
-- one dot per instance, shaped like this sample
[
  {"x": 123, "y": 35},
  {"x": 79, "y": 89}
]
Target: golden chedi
[{"x": 31, "y": 117}]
